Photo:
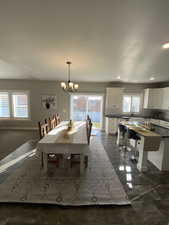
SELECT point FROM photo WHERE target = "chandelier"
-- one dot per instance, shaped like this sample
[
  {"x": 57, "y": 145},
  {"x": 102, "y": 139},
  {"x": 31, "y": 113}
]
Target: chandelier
[{"x": 69, "y": 86}]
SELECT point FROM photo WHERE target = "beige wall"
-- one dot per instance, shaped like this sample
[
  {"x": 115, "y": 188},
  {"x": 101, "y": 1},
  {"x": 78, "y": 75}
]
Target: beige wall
[{"x": 38, "y": 88}]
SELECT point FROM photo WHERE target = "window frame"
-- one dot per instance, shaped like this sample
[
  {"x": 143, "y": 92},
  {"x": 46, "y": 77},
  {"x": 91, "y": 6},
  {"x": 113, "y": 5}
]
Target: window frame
[
  {"x": 88, "y": 94},
  {"x": 133, "y": 95},
  {"x": 11, "y": 106},
  {"x": 6, "y": 92}
]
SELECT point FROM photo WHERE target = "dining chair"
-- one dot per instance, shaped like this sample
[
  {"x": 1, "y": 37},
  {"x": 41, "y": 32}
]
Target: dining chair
[
  {"x": 56, "y": 159},
  {"x": 133, "y": 138},
  {"x": 52, "y": 123},
  {"x": 88, "y": 128},
  {"x": 43, "y": 128},
  {"x": 57, "y": 118}
]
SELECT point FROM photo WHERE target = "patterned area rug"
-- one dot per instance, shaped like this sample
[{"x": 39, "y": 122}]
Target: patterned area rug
[{"x": 98, "y": 186}]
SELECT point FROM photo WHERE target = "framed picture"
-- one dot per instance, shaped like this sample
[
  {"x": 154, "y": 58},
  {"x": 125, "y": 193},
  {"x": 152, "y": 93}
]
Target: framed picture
[{"x": 49, "y": 101}]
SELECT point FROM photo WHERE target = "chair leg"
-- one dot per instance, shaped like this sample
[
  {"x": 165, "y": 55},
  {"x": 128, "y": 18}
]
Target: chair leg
[
  {"x": 86, "y": 161},
  {"x": 134, "y": 156},
  {"x": 42, "y": 159}
]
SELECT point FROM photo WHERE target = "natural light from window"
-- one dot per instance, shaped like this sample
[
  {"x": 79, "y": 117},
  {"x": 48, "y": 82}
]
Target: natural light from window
[
  {"x": 83, "y": 105},
  {"x": 14, "y": 105},
  {"x": 4, "y": 105},
  {"x": 20, "y": 105},
  {"x": 131, "y": 103}
]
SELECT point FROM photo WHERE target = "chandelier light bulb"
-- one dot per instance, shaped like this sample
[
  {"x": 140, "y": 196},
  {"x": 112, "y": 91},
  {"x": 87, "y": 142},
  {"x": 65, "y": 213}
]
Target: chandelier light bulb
[
  {"x": 76, "y": 86},
  {"x": 63, "y": 85},
  {"x": 69, "y": 86}
]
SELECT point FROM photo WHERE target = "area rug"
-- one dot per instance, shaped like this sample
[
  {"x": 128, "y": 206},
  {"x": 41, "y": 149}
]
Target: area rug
[{"x": 99, "y": 185}]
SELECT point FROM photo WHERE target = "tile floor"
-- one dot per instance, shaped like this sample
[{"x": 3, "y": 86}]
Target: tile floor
[{"x": 149, "y": 193}]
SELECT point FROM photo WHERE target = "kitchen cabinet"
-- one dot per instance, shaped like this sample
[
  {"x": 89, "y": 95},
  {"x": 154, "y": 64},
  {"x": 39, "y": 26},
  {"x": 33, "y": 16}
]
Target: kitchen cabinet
[
  {"x": 114, "y": 99},
  {"x": 165, "y": 100},
  {"x": 160, "y": 123},
  {"x": 153, "y": 98}
]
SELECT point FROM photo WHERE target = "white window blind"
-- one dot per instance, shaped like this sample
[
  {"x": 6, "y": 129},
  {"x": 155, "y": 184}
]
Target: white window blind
[
  {"x": 131, "y": 104},
  {"x": 4, "y": 105},
  {"x": 20, "y": 105}
]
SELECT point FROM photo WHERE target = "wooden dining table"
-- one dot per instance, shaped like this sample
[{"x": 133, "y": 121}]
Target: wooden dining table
[{"x": 60, "y": 140}]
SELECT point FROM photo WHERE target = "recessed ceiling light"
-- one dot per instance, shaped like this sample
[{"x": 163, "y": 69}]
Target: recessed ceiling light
[
  {"x": 152, "y": 78},
  {"x": 165, "y": 45},
  {"x": 118, "y": 77}
]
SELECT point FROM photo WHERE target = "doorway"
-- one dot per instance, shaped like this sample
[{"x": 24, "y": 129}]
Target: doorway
[{"x": 83, "y": 105}]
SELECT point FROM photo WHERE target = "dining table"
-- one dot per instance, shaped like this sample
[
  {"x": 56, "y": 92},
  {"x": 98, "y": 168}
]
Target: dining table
[{"x": 63, "y": 140}]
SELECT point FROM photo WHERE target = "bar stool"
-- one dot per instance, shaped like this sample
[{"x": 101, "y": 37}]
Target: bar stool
[
  {"x": 121, "y": 135},
  {"x": 132, "y": 135}
]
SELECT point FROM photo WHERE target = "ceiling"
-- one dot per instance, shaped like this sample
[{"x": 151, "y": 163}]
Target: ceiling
[{"x": 103, "y": 38}]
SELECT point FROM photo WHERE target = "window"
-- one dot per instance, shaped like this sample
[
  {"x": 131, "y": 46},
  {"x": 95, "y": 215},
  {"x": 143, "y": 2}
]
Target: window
[
  {"x": 20, "y": 105},
  {"x": 14, "y": 104},
  {"x": 4, "y": 105},
  {"x": 83, "y": 105},
  {"x": 131, "y": 103}
]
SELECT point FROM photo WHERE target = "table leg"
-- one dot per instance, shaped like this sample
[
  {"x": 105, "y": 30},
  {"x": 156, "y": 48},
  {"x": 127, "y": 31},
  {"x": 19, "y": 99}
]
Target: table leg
[
  {"x": 41, "y": 158},
  {"x": 45, "y": 162},
  {"x": 118, "y": 138},
  {"x": 142, "y": 160},
  {"x": 82, "y": 165},
  {"x": 126, "y": 139}
]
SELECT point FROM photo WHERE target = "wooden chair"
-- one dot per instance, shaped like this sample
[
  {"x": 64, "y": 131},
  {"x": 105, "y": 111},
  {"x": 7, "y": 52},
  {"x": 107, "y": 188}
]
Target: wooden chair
[
  {"x": 88, "y": 128},
  {"x": 57, "y": 117},
  {"x": 43, "y": 128},
  {"x": 75, "y": 159},
  {"x": 56, "y": 159},
  {"x": 52, "y": 123}
]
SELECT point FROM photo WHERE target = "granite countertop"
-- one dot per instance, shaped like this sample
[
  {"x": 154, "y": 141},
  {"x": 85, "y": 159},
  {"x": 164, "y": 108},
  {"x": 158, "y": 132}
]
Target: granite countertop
[
  {"x": 157, "y": 128},
  {"x": 125, "y": 116},
  {"x": 140, "y": 129},
  {"x": 162, "y": 131}
]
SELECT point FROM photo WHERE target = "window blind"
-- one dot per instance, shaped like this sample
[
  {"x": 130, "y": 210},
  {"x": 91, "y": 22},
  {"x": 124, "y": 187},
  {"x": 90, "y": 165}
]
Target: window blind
[
  {"x": 131, "y": 104},
  {"x": 4, "y": 105},
  {"x": 20, "y": 105}
]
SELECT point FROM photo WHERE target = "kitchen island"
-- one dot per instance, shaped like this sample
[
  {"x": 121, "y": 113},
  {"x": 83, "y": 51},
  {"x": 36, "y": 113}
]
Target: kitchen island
[
  {"x": 160, "y": 158},
  {"x": 148, "y": 144},
  {"x": 148, "y": 141}
]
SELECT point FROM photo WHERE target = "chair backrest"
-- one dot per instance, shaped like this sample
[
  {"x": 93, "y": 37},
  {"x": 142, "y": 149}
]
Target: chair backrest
[
  {"x": 133, "y": 135},
  {"x": 57, "y": 117},
  {"x": 88, "y": 128},
  {"x": 43, "y": 128},
  {"x": 53, "y": 123}
]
